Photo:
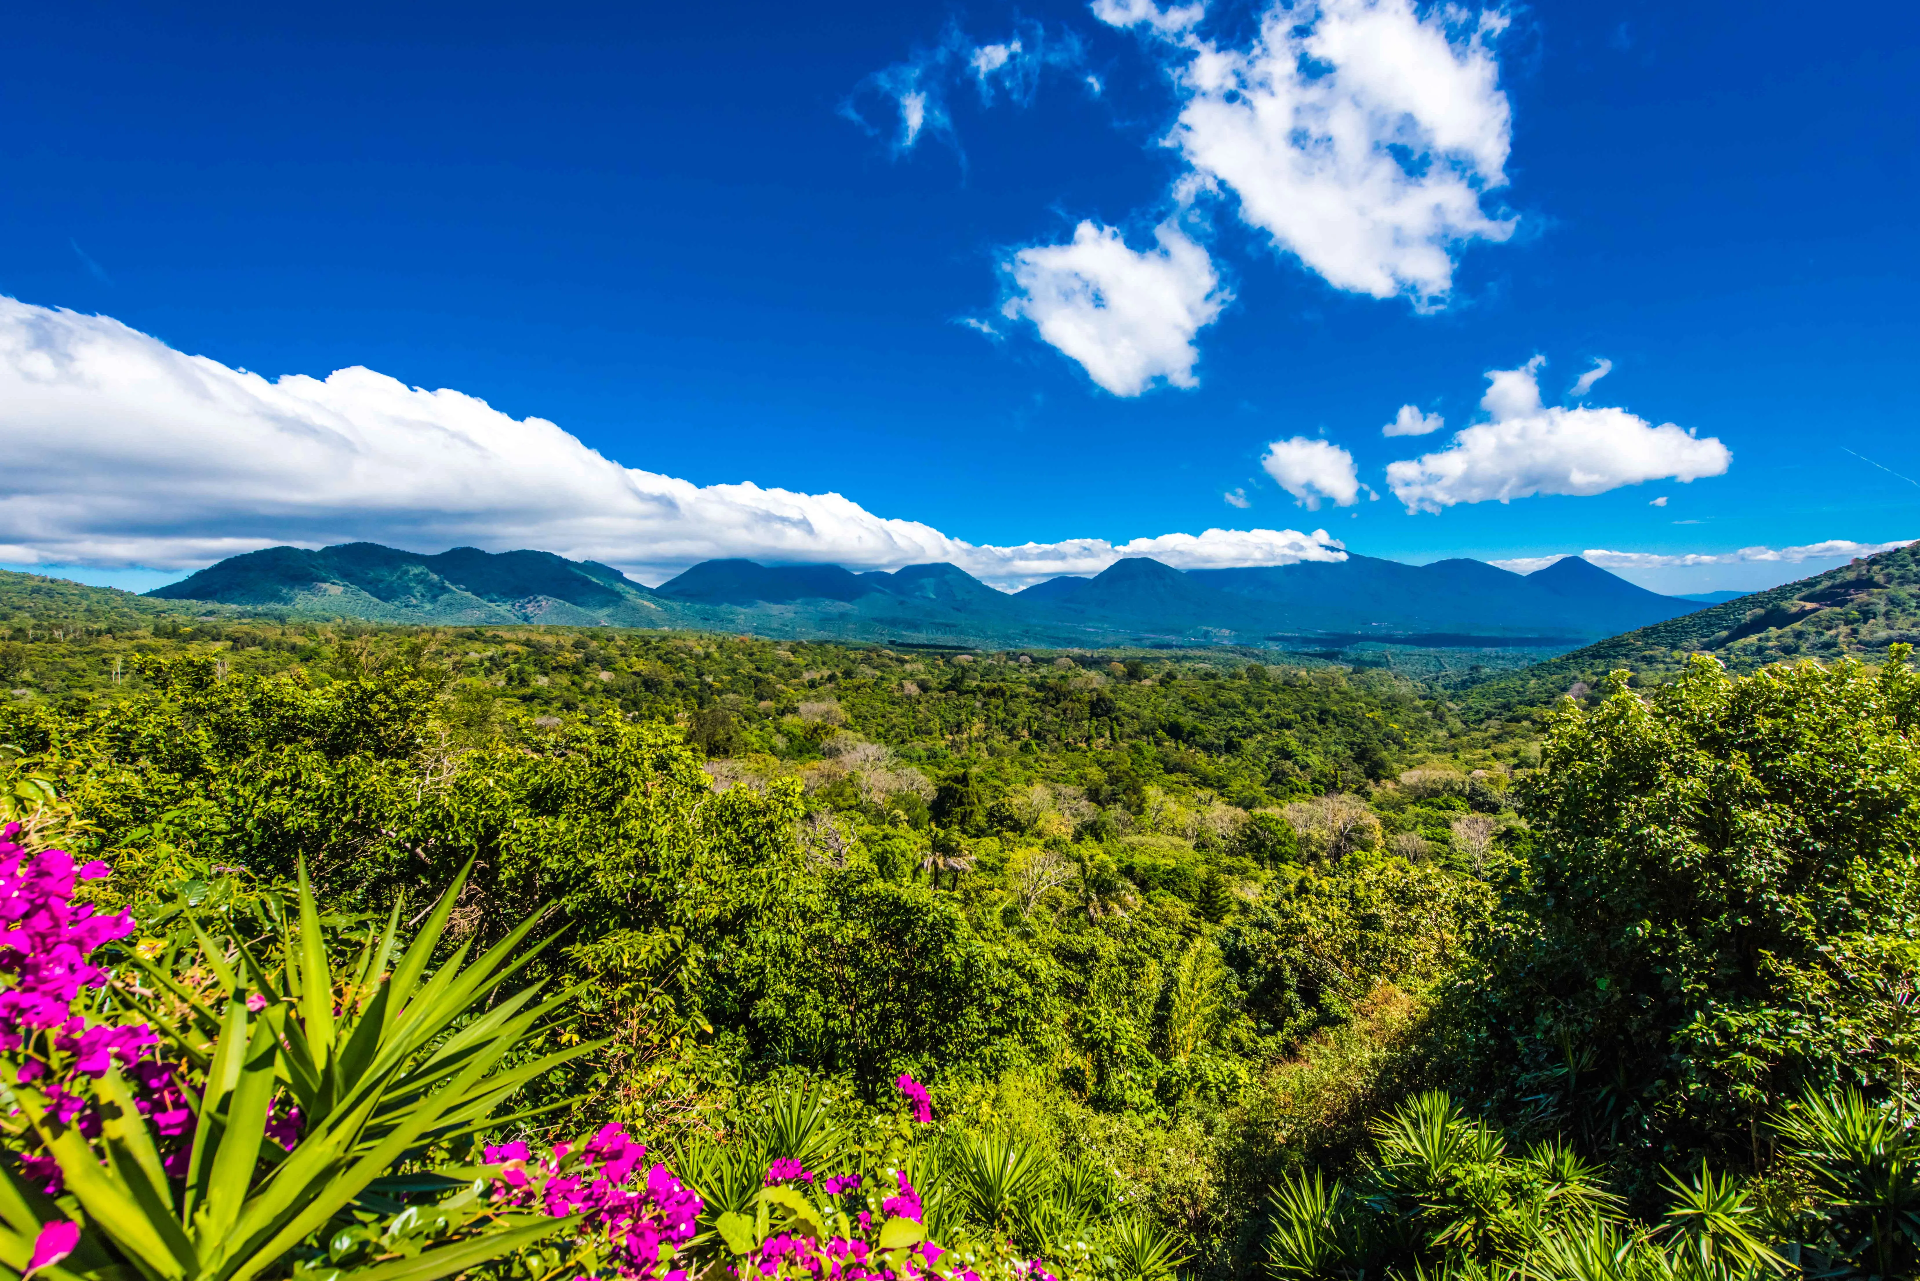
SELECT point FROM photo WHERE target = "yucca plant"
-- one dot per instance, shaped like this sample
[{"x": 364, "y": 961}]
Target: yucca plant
[
  {"x": 798, "y": 1125},
  {"x": 1134, "y": 1248},
  {"x": 385, "y": 1060},
  {"x": 1311, "y": 1238},
  {"x": 1864, "y": 1165},
  {"x": 996, "y": 1177},
  {"x": 1712, "y": 1229},
  {"x": 1058, "y": 1223}
]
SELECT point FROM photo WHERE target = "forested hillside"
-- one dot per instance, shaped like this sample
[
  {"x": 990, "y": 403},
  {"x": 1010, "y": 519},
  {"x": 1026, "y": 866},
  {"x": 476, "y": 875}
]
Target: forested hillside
[
  {"x": 1857, "y": 609},
  {"x": 1109, "y": 964},
  {"x": 1134, "y": 601}
]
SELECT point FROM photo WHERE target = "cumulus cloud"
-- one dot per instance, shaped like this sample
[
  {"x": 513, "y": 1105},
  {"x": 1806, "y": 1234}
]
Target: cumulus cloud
[
  {"x": 1237, "y": 498},
  {"x": 1411, "y": 422},
  {"x": 1359, "y": 135},
  {"x": 1527, "y": 449},
  {"x": 1128, "y": 316},
  {"x": 1311, "y": 470},
  {"x": 915, "y": 92},
  {"x": 1658, "y": 502},
  {"x": 1584, "y": 383},
  {"x": 1830, "y": 549},
  {"x": 1134, "y": 13},
  {"x": 122, "y": 451}
]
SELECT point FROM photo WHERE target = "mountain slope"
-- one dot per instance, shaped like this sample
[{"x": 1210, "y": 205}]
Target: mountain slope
[
  {"x": 1134, "y": 601},
  {"x": 1142, "y": 593},
  {"x": 465, "y": 585},
  {"x": 1857, "y": 609},
  {"x": 1572, "y": 597}
]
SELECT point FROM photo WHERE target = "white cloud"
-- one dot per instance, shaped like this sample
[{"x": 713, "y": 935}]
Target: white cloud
[
  {"x": 1134, "y": 13},
  {"x": 1658, "y": 502},
  {"x": 1527, "y": 449},
  {"x": 1311, "y": 470},
  {"x": 1358, "y": 134},
  {"x": 1237, "y": 498},
  {"x": 1128, "y": 317},
  {"x": 1831, "y": 549},
  {"x": 122, "y": 451},
  {"x": 915, "y": 91},
  {"x": 1411, "y": 422},
  {"x": 989, "y": 58},
  {"x": 1584, "y": 383},
  {"x": 1214, "y": 549}
]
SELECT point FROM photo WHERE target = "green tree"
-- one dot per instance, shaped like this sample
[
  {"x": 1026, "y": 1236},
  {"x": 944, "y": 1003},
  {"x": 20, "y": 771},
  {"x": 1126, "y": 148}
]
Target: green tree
[{"x": 1718, "y": 907}]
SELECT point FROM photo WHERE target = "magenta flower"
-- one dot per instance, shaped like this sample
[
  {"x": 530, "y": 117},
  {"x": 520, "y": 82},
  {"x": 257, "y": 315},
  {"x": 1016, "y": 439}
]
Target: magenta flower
[
  {"x": 283, "y": 1124},
  {"x": 55, "y": 1242},
  {"x": 785, "y": 1169},
  {"x": 922, "y": 1101},
  {"x": 907, "y": 1204}
]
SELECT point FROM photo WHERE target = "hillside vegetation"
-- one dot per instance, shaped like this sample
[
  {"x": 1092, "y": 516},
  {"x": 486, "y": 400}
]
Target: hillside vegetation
[
  {"x": 1857, "y": 609},
  {"x": 1155, "y": 936}
]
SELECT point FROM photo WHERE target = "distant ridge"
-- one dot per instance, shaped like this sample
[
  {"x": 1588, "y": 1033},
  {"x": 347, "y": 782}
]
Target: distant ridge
[
  {"x": 1858, "y": 609},
  {"x": 1134, "y": 601}
]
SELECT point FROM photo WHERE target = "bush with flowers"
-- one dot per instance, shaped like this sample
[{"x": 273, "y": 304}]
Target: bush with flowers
[{"x": 266, "y": 1092}]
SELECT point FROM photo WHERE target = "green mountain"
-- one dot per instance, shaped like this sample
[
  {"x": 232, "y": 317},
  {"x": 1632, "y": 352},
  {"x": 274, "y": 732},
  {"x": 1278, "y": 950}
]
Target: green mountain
[
  {"x": 465, "y": 585},
  {"x": 1134, "y": 602},
  {"x": 1858, "y": 608}
]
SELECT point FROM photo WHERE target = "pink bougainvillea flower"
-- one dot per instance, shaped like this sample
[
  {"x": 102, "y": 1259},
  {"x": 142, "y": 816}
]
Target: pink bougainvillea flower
[
  {"x": 786, "y": 1168},
  {"x": 922, "y": 1101},
  {"x": 55, "y": 1242},
  {"x": 907, "y": 1204}
]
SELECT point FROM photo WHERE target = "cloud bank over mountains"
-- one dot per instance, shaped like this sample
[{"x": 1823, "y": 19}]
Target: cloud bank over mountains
[
  {"x": 123, "y": 451},
  {"x": 1829, "y": 549}
]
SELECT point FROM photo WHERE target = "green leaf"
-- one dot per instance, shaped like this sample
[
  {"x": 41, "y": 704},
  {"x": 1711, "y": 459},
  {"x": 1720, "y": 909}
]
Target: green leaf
[
  {"x": 897, "y": 1232},
  {"x": 431, "y": 1265},
  {"x": 316, "y": 981},
  {"x": 737, "y": 1231}
]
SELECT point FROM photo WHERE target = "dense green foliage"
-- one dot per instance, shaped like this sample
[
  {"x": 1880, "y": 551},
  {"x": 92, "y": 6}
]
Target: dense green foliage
[
  {"x": 1718, "y": 912},
  {"x": 1193, "y": 924}
]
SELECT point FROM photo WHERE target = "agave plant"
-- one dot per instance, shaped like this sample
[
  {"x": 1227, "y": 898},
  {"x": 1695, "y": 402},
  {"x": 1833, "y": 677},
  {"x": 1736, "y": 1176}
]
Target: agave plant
[
  {"x": 385, "y": 1061},
  {"x": 1713, "y": 1229}
]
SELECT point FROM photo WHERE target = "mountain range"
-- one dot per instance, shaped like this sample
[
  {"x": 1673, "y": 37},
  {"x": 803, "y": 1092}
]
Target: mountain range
[{"x": 1136, "y": 601}]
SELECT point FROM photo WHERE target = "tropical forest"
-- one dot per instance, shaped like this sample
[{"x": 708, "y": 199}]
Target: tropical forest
[{"x": 347, "y": 951}]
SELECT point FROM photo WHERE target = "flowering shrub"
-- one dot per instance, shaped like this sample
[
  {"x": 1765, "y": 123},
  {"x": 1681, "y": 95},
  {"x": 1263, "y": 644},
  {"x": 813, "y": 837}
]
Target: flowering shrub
[
  {"x": 51, "y": 1052},
  {"x": 633, "y": 1232},
  {"x": 922, "y": 1101},
  {"x": 262, "y": 1043},
  {"x": 284, "y": 1093}
]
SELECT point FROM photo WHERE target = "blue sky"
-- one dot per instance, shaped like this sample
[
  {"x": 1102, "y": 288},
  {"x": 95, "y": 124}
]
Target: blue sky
[{"x": 694, "y": 240}]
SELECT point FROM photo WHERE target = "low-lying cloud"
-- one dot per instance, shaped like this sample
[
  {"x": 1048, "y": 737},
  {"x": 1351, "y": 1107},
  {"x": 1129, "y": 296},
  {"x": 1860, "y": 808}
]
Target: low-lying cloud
[
  {"x": 1830, "y": 549},
  {"x": 122, "y": 451},
  {"x": 1526, "y": 449}
]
